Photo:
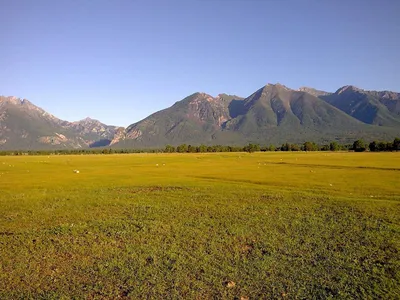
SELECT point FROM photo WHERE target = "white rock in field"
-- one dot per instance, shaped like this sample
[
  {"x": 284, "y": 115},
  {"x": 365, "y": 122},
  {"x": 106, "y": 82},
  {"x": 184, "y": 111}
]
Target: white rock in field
[{"x": 76, "y": 171}]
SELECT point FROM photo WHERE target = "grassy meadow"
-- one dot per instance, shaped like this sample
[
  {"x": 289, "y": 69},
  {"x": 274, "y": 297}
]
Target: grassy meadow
[{"x": 290, "y": 225}]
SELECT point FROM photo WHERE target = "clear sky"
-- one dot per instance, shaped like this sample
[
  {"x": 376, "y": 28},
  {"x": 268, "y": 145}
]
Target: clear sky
[{"x": 120, "y": 60}]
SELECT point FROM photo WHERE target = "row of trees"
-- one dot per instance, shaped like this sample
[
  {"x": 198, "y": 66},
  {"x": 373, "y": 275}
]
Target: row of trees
[
  {"x": 79, "y": 151},
  {"x": 375, "y": 146},
  {"x": 311, "y": 146},
  {"x": 358, "y": 146},
  {"x": 215, "y": 148},
  {"x": 307, "y": 146}
]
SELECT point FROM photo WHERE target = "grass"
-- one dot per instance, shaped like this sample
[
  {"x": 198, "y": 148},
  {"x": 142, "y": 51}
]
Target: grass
[{"x": 200, "y": 226}]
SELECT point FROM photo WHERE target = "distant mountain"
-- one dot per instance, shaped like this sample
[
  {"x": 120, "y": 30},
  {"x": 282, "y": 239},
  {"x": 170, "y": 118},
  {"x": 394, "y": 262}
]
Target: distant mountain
[
  {"x": 195, "y": 119},
  {"x": 371, "y": 107},
  {"x": 26, "y": 126},
  {"x": 95, "y": 133},
  {"x": 277, "y": 114},
  {"x": 273, "y": 114}
]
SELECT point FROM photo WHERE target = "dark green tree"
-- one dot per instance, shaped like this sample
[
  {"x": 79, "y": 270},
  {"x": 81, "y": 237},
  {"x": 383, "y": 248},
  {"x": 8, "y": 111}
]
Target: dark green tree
[
  {"x": 202, "y": 148},
  {"x": 295, "y": 147},
  {"x": 359, "y": 146},
  {"x": 252, "y": 148},
  {"x": 334, "y": 146},
  {"x": 169, "y": 149},
  {"x": 383, "y": 146},
  {"x": 182, "y": 148},
  {"x": 285, "y": 147},
  {"x": 325, "y": 148},
  {"x": 373, "y": 146},
  {"x": 309, "y": 146},
  {"x": 192, "y": 149},
  {"x": 396, "y": 144}
]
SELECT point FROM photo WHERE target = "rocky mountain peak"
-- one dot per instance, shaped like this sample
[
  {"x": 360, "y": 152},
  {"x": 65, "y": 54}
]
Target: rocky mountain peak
[
  {"x": 87, "y": 120},
  {"x": 15, "y": 100},
  {"x": 312, "y": 91},
  {"x": 349, "y": 88},
  {"x": 201, "y": 96},
  {"x": 279, "y": 85},
  {"x": 275, "y": 87},
  {"x": 11, "y": 99}
]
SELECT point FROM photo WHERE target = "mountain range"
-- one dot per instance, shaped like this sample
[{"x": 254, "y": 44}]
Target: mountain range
[
  {"x": 23, "y": 125},
  {"x": 274, "y": 114}
]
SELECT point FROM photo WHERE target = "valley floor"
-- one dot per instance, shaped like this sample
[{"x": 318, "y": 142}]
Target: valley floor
[{"x": 222, "y": 225}]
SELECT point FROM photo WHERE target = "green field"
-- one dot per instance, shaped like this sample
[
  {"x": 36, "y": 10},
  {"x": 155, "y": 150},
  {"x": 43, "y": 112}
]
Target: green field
[{"x": 201, "y": 226}]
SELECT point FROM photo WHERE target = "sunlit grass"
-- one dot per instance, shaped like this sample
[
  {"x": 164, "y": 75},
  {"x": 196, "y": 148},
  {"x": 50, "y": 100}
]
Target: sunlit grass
[{"x": 305, "y": 225}]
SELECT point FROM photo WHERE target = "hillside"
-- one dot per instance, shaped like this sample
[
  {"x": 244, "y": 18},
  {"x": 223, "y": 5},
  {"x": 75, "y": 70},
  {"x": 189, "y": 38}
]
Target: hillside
[
  {"x": 195, "y": 119},
  {"x": 371, "y": 107},
  {"x": 277, "y": 114},
  {"x": 26, "y": 126},
  {"x": 273, "y": 114}
]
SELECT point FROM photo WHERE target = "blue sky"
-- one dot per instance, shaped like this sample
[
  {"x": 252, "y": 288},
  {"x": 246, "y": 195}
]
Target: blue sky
[{"x": 121, "y": 60}]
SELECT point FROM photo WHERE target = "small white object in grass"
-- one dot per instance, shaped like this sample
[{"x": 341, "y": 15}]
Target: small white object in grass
[
  {"x": 331, "y": 184},
  {"x": 76, "y": 171},
  {"x": 156, "y": 165}
]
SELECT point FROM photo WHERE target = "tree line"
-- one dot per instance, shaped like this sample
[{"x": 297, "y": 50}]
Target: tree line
[{"x": 357, "y": 146}]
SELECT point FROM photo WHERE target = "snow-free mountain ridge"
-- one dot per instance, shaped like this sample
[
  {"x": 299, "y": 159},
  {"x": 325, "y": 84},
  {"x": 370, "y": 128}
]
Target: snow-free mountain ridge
[{"x": 273, "y": 114}]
